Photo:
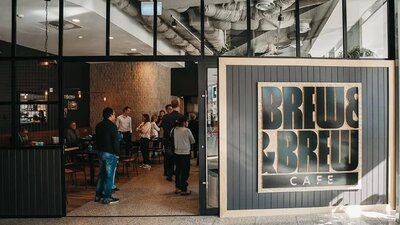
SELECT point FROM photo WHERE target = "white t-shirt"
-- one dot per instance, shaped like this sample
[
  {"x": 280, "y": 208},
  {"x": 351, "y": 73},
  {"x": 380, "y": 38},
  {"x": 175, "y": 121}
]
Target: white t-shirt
[
  {"x": 183, "y": 138},
  {"x": 124, "y": 123},
  {"x": 154, "y": 130}
]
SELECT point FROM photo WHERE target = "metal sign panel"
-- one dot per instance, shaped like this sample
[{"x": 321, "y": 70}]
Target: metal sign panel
[{"x": 309, "y": 136}]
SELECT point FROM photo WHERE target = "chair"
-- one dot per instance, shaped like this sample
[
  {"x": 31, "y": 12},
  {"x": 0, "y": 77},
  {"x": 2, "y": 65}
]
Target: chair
[
  {"x": 74, "y": 164},
  {"x": 130, "y": 160},
  {"x": 156, "y": 148}
]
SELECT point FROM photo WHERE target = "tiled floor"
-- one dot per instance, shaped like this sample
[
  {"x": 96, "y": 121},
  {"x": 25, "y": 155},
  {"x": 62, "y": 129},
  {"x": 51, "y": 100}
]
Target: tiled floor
[
  {"x": 148, "y": 199},
  {"x": 320, "y": 219}
]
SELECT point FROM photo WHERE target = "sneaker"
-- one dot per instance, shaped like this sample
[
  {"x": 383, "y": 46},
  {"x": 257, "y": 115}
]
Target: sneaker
[
  {"x": 142, "y": 165},
  {"x": 112, "y": 200},
  {"x": 98, "y": 199},
  {"x": 169, "y": 179},
  {"x": 147, "y": 166},
  {"x": 116, "y": 189}
]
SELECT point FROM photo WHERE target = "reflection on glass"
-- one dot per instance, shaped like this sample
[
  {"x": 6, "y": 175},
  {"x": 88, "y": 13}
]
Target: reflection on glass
[
  {"x": 5, "y": 28},
  {"x": 273, "y": 29},
  {"x": 321, "y": 28},
  {"x": 179, "y": 28},
  {"x": 32, "y": 37},
  {"x": 33, "y": 113},
  {"x": 131, "y": 27},
  {"x": 367, "y": 29},
  {"x": 85, "y": 28},
  {"x": 212, "y": 140}
]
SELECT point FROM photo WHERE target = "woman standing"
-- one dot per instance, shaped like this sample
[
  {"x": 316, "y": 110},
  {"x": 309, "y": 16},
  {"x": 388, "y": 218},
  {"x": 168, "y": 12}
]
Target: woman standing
[
  {"x": 144, "y": 130},
  {"x": 183, "y": 138}
]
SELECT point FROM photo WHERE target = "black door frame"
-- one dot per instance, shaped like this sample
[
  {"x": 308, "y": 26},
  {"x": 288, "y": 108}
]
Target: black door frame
[{"x": 203, "y": 86}]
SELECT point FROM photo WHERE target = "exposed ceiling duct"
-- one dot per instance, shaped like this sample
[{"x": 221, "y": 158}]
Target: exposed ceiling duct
[{"x": 223, "y": 17}]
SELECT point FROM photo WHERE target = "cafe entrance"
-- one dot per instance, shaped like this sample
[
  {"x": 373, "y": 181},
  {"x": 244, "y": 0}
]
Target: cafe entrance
[{"x": 145, "y": 87}]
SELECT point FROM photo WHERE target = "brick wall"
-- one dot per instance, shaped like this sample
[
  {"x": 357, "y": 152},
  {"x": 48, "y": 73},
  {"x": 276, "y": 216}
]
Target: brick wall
[{"x": 144, "y": 86}]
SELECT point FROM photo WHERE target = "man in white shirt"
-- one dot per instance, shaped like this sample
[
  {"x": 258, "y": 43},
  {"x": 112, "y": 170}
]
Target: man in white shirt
[{"x": 124, "y": 125}]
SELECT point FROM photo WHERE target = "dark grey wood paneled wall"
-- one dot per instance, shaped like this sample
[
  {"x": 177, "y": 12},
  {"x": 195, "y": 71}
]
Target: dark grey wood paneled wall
[
  {"x": 31, "y": 183},
  {"x": 242, "y": 136}
]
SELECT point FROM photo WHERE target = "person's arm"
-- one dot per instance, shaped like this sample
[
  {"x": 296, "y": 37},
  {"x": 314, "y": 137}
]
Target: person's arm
[
  {"x": 190, "y": 135},
  {"x": 130, "y": 124},
  {"x": 115, "y": 140},
  {"x": 139, "y": 128},
  {"x": 117, "y": 122},
  {"x": 156, "y": 127}
]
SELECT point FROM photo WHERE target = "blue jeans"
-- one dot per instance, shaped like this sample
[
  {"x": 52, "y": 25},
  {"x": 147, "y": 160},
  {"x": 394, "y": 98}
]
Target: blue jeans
[
  {"x": 115, "y": 171},
  {"x": 108, "y": 163}
]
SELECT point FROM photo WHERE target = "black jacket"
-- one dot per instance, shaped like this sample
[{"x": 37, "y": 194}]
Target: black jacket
[
  {"x": 169, "y": 121},
  {"x": 107, "y": 137}
]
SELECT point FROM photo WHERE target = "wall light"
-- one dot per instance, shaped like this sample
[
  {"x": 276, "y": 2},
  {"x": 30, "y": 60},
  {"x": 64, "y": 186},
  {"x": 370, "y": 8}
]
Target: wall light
[{"x": 104, "y": 98}]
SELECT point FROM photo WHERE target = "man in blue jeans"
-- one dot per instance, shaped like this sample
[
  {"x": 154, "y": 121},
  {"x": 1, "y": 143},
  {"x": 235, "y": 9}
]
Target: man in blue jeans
[{"x": 107, "y": 139}]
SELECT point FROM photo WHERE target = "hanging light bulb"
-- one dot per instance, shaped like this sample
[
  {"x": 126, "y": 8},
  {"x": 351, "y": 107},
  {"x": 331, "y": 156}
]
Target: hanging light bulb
[
  {"x": 46, "y": 93},
  {"x": 46, "y": 63},
  {"x": 79, "y": 94},
  {"x": 104, "y": 98}
]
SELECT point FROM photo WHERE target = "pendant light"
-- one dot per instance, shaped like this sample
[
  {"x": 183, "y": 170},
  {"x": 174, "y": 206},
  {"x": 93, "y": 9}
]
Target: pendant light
[{"x": 47, "y": 63}]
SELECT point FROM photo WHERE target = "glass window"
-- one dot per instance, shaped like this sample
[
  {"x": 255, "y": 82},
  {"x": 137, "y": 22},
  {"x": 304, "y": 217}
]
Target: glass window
[
  {"x": 5, "y": 81},
  {"x": 321, "y": 29},
  {"x": 85, "y": 28},
  {"x": 5, "y": 28},
  {"x": 273, "y": 29},
  {"x": 35, "y": 33},
  {"x": 367, "y": 29},
  {"x": 225, "y": 28},
  {"x": 131, "y": 29},
  {"x": 5, "y": 125},
  {"x": 179, "y": 28},
  {"x": 36, "y": 81}
]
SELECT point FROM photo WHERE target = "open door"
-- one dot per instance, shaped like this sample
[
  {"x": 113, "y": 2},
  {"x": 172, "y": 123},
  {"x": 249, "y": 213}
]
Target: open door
[{"x": 209, "y": 138}]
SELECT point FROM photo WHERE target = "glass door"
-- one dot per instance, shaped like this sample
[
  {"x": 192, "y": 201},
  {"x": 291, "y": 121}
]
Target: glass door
[{"x": 209, "y": 139}]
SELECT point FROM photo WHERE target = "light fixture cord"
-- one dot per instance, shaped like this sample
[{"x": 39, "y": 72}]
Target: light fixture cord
[{"x": 47, "y": 35}]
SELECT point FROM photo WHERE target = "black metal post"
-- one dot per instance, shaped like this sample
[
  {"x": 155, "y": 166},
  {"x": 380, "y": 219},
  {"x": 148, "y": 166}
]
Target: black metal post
[
  {"x": 297, "y": 12},
  {"x": 202, "y": 36},
  {"x": 108, "y": 14},
  {"x": 13, "y": 72},
  {"x": 155, "y": 28},
  {"x": 249, "y": 36},
  {"x": 391, "y": 26},
  {"x": 344, "y": 27}
]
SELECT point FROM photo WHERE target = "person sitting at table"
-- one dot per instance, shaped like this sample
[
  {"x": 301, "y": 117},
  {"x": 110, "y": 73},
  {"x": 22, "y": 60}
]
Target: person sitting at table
[
  {"x": 72, "y": 135},
  {"x": 22, "y": 137}
]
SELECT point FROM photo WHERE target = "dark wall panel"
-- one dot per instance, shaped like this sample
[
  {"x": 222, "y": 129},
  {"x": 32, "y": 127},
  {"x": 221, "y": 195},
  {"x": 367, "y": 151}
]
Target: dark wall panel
[
  {"x": 242, "y": 136},
  {"x": 31, "y": 183}
]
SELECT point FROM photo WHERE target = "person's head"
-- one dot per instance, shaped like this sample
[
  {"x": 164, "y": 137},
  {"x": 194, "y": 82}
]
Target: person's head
[
  {"x": 192, "y": 116},
  {"x": 161, "y": 113},
  {"x": 145, "y": 118},
  {"x": 175, "y": 103},
  {"x": 72, "y": 125},
  {"x": 154, "y": 118},
  {"x": 108, "y": 113},
  {"x": 168, "y": 108},
  {"x": 127, "y": 110},
  {"x": 23, "y": 131},
  {"x": 182, "y": 121}
]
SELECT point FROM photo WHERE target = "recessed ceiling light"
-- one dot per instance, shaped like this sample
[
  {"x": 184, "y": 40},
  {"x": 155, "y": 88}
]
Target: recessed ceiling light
[
  {"x": 111, "y": 38},
  {"x": 80, "y": 36},
  {"x": 133, "y": 49},
  {"x": 76, "y": 20}
]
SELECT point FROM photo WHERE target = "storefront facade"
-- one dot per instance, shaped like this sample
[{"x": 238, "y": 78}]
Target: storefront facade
[{"x": 310, "y": 48}]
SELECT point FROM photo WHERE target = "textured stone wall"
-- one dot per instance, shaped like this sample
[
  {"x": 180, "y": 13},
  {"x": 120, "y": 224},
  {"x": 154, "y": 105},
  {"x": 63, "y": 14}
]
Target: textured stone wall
[{"x": 144, "y": 86}]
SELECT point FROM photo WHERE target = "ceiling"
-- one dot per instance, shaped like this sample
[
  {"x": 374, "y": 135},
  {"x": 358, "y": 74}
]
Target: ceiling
[{"x": 225, "y": 26}]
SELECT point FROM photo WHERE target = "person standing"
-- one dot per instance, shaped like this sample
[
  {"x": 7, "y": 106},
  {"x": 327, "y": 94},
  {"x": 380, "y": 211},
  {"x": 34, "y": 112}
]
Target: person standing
[
  {"x": 183, "y": 139},
  {"x": 169, "y": 122},
  {"x": 107, "y": 139},
  {"x": 144, "y": 130},
  {"x": 124, "y": 125}
]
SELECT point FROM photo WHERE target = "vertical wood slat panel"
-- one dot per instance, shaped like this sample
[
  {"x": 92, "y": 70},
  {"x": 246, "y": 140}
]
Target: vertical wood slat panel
[
  {"x": 374, "y": 149},
  {"x": 31, "y": 183},
  {"x": 230, "y": 157}
]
